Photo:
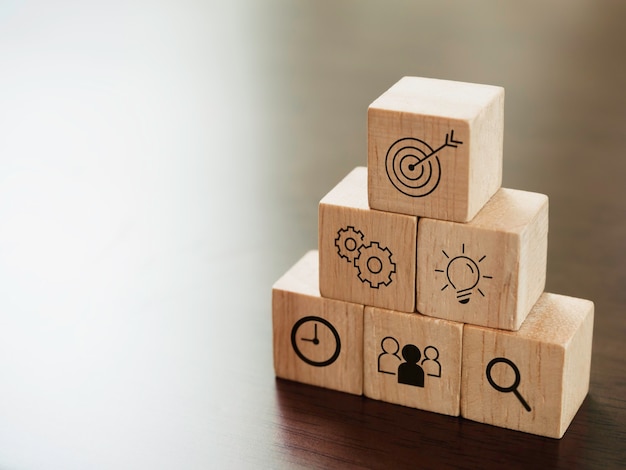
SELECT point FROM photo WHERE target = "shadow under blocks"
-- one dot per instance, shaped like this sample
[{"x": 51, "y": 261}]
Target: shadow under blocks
[{"x": 427, "y": 287}]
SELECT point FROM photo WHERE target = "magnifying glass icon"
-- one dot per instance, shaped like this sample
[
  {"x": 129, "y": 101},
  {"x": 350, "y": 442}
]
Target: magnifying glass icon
[{"x": 511, "y": 388}]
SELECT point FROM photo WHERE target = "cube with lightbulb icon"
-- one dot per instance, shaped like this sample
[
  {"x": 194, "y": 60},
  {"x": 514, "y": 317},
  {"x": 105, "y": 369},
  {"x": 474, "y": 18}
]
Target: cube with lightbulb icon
[{"x": 490, "y": 271}]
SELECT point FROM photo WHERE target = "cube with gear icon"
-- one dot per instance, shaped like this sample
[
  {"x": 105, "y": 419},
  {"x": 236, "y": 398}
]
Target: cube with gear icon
[{"x": 366, "y": 256}]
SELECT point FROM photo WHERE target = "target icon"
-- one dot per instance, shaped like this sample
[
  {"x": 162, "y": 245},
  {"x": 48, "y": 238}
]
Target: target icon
[{"x": 413, "y": 167}]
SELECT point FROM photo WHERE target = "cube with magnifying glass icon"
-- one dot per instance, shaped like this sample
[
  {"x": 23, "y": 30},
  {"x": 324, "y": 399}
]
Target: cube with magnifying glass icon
[
  {"x": 535, "y": 379},
  {"x": 490, "y": 271}
]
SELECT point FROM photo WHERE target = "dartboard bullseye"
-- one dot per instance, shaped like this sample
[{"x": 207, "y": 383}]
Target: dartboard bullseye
[
  {"x": 409, "y": 170},
  {"x": 413, "y": 167}
]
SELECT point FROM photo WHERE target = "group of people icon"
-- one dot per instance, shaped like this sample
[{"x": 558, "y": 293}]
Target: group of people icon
[{"x": 408, "y": 368}]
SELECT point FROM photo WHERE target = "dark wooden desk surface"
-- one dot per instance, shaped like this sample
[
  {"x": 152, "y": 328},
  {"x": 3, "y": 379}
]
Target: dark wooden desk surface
[{"x": 161, "y": 168}]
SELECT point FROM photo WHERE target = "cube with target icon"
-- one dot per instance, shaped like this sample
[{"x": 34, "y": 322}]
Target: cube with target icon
[
  {"x": 435, "y": 148},
  {"x": 366, "y": 256}
]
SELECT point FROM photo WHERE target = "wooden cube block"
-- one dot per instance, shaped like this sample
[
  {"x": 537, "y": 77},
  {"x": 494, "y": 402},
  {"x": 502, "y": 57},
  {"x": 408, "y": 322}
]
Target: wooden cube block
[
  {"x": 317, "y": 341},
  {"x": 412, "y": 360},
  {"x": 533, "y": 380},
  {"x": 490, "y": 271},
  {"x": 435, "y": 148},
  {"x": 366, "y": 256}
]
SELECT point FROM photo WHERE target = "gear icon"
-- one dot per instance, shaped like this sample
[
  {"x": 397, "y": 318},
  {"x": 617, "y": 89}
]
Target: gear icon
[
  {"x": 375, "y": 265},
  {"x": 348, "y": 243}
]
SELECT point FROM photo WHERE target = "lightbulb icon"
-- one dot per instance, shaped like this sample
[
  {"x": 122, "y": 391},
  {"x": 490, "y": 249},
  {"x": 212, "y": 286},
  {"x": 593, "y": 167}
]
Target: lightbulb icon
[{"x": 463, "y": 275}]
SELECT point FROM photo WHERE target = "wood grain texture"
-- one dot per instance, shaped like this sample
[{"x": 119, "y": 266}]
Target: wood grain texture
[
  {"x": 435, "y": 148},
  {"x": 533, "y": 380},
  {"x": 487, "y": 272},
  {"x": 366, "y": 256},
  {"x": 316, "y": 341},
  {"x": 412, "y": 360}
]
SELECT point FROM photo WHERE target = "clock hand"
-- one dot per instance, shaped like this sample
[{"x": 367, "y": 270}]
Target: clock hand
[{"x": 313, "y": 340}]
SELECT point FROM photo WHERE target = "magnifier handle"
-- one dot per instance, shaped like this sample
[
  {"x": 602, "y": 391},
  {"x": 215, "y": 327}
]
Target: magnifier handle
[{"x": 521, "y": 399}]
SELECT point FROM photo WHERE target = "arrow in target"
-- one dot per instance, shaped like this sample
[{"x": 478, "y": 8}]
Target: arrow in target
[{"x": 450, "y": 142}]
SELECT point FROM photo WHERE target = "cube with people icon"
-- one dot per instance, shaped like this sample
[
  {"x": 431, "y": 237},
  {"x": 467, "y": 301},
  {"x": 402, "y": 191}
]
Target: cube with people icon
[
  {"x": 412, "y": 360},
  {"x": 366, "y": 256},
  {"x": 489, "y": 271}
]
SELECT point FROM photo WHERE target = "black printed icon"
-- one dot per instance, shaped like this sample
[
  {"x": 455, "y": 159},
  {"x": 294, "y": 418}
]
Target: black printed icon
[
  {"x": 388, "y": 359},
  {"x": 315, "y": 341},
  {"x": 374, "y": 263},
  {"x": 413, "y": 166},
  {"x": 410, "y": 372},
  {"x": 408, "y": 368},
  {"x": 433, "y": 362},
  {"x": 463, "y": 275},
  {"x": 348, "y": 242},
  {"x": 506, "y": 389}
]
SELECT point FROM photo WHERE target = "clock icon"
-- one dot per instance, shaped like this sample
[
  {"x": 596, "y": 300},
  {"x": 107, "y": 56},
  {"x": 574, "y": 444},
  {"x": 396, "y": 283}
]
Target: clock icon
[{"x": 315, "y": 341}]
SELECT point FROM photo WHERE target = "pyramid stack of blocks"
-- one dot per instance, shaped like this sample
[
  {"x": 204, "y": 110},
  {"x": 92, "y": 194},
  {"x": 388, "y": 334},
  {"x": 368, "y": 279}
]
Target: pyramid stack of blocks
[{"x": 428, "y": 287}]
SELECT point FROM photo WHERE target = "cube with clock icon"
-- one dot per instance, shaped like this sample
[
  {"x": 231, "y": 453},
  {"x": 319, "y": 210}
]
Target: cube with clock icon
[{"x": 317, "y": 341}]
